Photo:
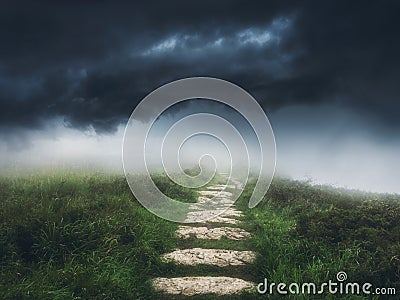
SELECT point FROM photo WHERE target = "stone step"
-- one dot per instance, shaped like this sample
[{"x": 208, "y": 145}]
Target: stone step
[
  {"x": 218, "y": 200},
  {"x": 216, "y": 193},
  {"x": 220, "y": 187},
  {"x": 214, "y": 216},
  {"x": 223, "y": 212},
  {"x": 190, "y": 286},
  {"x": 195, "y": 217},
  {"x": 232, "y": 233},
  {"x": 211, "y": 205},
  {"x": 214, "y": 257},
  {"x": 224, "y": 220},
  {"x": 218, "y": 219},
  {"x": 217, "y": 207}
]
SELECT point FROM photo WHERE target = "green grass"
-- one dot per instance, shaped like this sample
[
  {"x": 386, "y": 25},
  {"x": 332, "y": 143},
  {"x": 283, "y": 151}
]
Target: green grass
[
  {"x": 66, "y": 236},
  {"x": 307, "y": 233},
  {"x": 84, "y": 236}
]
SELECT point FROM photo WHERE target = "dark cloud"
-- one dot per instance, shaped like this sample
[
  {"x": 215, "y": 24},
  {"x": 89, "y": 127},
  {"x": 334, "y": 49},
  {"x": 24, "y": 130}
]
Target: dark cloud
[{"x": 91, "y": 63}]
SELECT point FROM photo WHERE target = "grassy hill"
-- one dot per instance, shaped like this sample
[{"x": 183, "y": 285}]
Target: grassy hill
[
  {"x": 69, "y": 235},
  {"x": 308, "y": 233}
]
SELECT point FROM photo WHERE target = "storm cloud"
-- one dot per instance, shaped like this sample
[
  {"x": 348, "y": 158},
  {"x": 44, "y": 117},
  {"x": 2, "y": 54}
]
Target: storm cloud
[{"x": 89, "y": 64}]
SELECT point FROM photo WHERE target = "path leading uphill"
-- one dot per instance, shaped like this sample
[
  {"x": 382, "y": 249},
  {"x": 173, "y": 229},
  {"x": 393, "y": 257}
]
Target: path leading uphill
[{"x": 225, "y": 226}]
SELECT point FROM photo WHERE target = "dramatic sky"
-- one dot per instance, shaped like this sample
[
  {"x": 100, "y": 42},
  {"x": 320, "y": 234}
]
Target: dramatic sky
[{"x": 325, "y": 72}]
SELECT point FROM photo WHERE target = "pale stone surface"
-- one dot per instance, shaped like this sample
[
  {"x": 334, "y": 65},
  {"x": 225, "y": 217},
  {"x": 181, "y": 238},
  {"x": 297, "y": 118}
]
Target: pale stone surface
[
  {"x": 189, "y": 286},
  {"x": 193, "y": 217},
  {"x": 231, "y": 212},
  {"x": 221, "y": 203},
  {"x": 232, "y": 233},
  {"x": 215, "y": 201},
  {"x": 196, "y": 216},
  {"x": 215, "y": 193},
  {"x": 220, "y": 187},
  {"x": 221, "y": 200},
  {"x": 223, "y": 220},
  {"x": 214, "y": 210},
  {"x": 225, "y": 215},
  {"x": 208, "y": 204},
  {"x": 215, "y": 257}
]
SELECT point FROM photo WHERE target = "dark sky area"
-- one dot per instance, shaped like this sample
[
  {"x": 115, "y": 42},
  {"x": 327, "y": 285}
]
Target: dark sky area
[{"x": 86, "y": 65}]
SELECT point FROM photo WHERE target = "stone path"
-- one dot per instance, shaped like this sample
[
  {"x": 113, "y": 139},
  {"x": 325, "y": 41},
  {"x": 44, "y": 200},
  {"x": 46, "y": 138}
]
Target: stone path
[
  {"x": 224, "y": 258},
  {"x": 232, "y": 233}
]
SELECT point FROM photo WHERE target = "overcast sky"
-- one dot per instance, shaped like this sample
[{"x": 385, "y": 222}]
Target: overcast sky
[{"x": 325, "y": 72}]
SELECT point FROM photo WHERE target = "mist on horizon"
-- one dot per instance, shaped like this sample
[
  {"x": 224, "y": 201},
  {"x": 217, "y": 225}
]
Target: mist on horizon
[{"x": 324, "y": 145}]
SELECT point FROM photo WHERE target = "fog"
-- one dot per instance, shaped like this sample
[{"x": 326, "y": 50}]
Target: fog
[
  {"x": 336, "y": 146},
  {"x": 325, "y": 144}
]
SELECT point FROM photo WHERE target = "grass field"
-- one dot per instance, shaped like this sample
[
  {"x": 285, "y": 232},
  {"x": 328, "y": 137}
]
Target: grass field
[
  {"x": 67, "y": 236},
  {"x": 310, "y": 233},
  {"x": 83, "y": 236}
]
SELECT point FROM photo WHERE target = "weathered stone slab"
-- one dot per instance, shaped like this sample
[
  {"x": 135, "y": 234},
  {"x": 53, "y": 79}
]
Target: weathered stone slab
[
  {"x": 215, "y": 257},
  {"x": 232, "y": 233},
  {"x": 215, "y": 193},
  {"x": 193, "y": 217},
  {"x": 226, "y": 215},
  {"x": 189, "y": 286},
  {"x": 220, "y": 187}
]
